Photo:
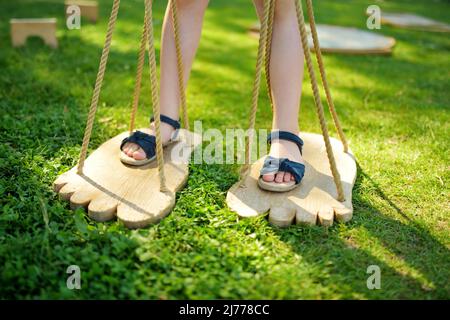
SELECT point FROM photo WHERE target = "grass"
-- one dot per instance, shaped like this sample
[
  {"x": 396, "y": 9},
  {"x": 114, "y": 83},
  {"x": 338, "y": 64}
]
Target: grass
[{"x": 395, "y": 111}]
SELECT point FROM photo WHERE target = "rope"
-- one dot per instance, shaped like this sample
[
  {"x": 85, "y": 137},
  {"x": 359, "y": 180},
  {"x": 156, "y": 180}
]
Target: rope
[
  {"x": 317, "y": 100},
  {"x": 324, "y": 76},
  {"x": 180, "y": 68},
  {"x": 255, "y": 94},
  {"x": 155, "y": 95},
  {"x": 138, "y": 81},
  {"x": 147, "y": 36},
  {"x": 98, "y": 86},
  {"x": 269, "y": 51}
]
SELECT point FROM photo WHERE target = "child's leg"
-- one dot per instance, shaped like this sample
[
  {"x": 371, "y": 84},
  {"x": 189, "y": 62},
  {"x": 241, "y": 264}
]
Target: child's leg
[
  {"x": 286, "y": 72},
  {"x": 190, "y": 13}
]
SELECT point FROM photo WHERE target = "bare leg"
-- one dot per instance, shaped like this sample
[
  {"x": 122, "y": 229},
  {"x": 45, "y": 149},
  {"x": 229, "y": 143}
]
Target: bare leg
[
  {"x": 190, "y": 14},
  {"x": 286, "y": 71}
]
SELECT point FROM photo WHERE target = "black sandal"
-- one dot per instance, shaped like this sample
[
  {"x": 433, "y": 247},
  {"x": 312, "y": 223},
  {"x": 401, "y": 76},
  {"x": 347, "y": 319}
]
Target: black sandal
[
  {"x": 273, "y": 165},
  {"x": 148, "y": 143}
]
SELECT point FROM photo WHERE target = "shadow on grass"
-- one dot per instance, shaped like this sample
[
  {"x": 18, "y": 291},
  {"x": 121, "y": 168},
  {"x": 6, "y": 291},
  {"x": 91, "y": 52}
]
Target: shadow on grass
[
  {"x": 406, "y": 252},
  {"x": 407, "y": 243}
]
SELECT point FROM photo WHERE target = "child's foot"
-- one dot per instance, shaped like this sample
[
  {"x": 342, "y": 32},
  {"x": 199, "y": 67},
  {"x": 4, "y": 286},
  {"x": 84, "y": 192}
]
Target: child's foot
[
  {"x": 283, "y": 149},
  {"x": 135, "y": 151}
]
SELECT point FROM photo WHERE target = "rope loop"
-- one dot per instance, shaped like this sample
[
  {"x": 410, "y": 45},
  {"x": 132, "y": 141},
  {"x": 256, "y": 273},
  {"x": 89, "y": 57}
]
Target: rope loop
[
  {"x": 264, "y": 53},
  {"x": 98, "y": 85},
  {"x": 147, "y": 37},
  {"x": 317, "y": 99},
  {"x": 255, "y": 94}
]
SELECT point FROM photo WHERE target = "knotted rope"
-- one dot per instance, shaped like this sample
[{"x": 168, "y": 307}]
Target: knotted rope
[
  {"x": 180, "y": 68},
  {"x": 155, "y": 95},
  {"x": 269, "y": 51},
  {"x": 146, "y": 38},
  {"x": 98, "y": 85},
  {"x": 323, "y": 75},
  {"x": 268, "y": 20},
  {"x": 317, "y": 100},
  {"x": 140, "y": 68},
  {"x": 255, "y": 94}
]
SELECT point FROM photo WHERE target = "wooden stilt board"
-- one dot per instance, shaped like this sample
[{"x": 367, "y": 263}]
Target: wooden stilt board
[
  {"x": 313, "y": 202},
  {"x": 412, "y": 21},
  {"x": 22, "y": 29},
  {"x": 335, "y": 39},
  {"x": 88, "y": 9},
  {"x": 108, "y": 188}
]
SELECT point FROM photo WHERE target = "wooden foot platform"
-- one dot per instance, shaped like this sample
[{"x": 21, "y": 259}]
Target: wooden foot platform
[
  {"x": 88, "y": 9},
  {"x": 21, "y": 29},
  {"x": 108, "y": 188},
  {"x": 413, "y": 21},
  {"x": 313, "y": 202},
  {"x": 335, "y": 39}
]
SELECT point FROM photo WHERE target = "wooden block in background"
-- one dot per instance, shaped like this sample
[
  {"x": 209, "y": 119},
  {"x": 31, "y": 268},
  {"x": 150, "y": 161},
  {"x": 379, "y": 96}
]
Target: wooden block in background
[
  {"x": 21, "y": 29},
  {"x": 89, "y": 9}
]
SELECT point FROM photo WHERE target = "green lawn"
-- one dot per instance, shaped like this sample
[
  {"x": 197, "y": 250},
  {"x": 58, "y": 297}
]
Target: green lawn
[{"x": 395, "y": 112}]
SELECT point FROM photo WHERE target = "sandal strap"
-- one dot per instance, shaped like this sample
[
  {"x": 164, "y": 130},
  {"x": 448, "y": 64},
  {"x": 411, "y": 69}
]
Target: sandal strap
[
  {"x": 174, "y": 123},
  {"x": 297, "y": 169},
  {"x": 145, "y": 141},
  {"x": 273, "y": 165},
  {"x": 286, "y": 135}
]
